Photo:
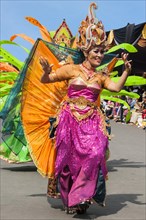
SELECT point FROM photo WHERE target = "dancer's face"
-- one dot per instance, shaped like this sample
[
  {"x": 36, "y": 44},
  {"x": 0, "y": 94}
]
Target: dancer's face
[{"x": 95, "y": 56}]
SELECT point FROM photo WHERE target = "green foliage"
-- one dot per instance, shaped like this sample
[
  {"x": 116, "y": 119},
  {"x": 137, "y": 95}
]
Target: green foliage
[
  {"x": 15, "y": 44},
  {"x": 125, "y": 46},
  {"x": 8, "y": 76},
  {"x": 114, "y": 99},
  {"x": 10, "y": 58},
  {"x": 121, "y": 93},
  {"x": 132, "y": 80}
]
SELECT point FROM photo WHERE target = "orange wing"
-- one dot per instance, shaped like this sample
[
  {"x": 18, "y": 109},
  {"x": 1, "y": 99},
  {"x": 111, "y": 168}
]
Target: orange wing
[{"x": 39, "y": 102}]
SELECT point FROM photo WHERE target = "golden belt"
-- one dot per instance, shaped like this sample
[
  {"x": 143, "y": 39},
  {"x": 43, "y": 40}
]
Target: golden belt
[{"x": 81, "y": 103}]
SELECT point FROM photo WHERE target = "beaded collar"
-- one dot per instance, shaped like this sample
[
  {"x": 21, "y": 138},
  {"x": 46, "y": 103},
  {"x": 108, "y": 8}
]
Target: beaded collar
[{"x": 89, "y": 72}]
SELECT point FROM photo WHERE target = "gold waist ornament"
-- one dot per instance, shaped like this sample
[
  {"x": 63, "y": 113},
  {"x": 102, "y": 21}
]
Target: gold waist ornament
[{"x": 81, "y": 103}]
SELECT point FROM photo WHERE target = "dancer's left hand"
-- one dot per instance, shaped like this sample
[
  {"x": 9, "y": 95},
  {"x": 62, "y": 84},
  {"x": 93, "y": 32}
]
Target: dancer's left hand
[{"x": 126, "y": 61}]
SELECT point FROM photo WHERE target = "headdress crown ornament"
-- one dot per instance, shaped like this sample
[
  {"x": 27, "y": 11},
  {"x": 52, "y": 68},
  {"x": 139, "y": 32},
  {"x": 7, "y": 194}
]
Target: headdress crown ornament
[{"x": 91, "y": 31}]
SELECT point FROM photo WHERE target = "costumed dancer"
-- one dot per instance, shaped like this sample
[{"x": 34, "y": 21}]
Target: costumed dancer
[{"x": 81, "y": 140}]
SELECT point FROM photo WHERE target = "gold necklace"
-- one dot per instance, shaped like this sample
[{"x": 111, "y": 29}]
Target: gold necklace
[{"x": 89, "y": 72}]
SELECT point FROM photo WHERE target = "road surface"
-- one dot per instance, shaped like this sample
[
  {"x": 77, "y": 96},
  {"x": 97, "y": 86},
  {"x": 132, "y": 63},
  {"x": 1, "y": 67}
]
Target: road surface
[{"x": 23, "y": 190}]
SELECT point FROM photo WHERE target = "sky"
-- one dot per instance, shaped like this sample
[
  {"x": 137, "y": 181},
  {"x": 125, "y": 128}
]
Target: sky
[{"x": 114, "y": 14}]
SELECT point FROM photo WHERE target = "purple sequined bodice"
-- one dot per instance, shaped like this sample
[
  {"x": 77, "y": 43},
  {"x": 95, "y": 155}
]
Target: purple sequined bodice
[{"x": 78, "y": 87}]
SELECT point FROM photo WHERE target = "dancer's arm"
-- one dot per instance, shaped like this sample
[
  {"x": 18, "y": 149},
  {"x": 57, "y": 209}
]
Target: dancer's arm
[
  {"x": 116, "y": 87},
  {"x": 49, "y": 76}
]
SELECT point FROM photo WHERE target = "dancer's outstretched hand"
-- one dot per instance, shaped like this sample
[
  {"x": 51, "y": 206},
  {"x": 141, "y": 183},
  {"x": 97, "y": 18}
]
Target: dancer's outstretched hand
[
  {"x": 46, "y": 66},
  {"x": 126, "y": 61}
]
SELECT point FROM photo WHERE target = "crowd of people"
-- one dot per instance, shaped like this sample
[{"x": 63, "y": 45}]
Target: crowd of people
[{"x": 136, "y": 115}]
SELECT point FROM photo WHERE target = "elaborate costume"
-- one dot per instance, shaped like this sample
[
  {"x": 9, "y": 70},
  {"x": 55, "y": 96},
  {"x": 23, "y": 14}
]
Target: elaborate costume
[
  {"x": 63, "y": 125},
  {"x": 76, "y": 154}
]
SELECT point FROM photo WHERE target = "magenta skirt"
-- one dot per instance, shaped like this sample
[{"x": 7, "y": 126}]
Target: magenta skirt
[{"x": 81, "y": 147}]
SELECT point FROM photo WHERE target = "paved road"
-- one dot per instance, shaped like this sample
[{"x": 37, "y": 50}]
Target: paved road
[{"x": 23, "y": 190}]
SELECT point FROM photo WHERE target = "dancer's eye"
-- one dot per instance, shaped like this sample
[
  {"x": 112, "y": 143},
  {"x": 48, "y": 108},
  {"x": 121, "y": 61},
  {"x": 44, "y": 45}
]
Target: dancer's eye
[{"x": 99, "y": 51}]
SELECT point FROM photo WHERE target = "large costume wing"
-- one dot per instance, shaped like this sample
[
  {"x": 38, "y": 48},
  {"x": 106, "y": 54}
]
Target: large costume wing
[{"x": 39, "y": 103}]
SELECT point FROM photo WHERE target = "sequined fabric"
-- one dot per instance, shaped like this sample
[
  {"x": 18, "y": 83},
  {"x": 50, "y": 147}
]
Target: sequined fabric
[{"x": 81, "y": 145}]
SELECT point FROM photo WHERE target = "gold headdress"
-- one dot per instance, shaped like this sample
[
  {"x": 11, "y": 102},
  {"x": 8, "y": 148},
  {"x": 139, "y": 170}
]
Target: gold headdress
[{"x": 91, "y": 31}]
